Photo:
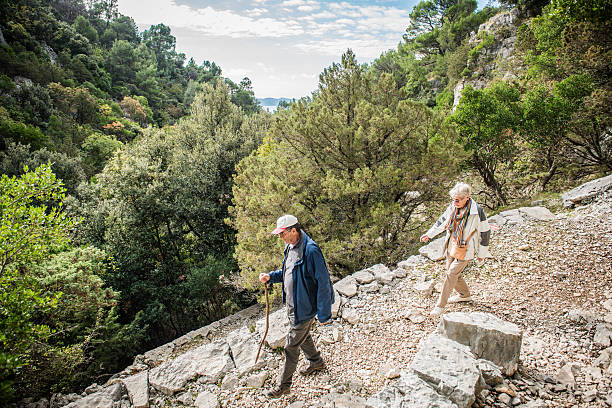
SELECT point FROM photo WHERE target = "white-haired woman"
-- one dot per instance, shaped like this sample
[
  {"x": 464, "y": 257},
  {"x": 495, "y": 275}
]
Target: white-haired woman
[{"x": 467, "y": 237}]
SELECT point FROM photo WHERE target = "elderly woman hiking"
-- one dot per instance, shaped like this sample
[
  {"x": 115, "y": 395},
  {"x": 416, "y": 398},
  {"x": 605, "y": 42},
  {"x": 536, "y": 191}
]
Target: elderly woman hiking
[{"x": 467, "y": 237}]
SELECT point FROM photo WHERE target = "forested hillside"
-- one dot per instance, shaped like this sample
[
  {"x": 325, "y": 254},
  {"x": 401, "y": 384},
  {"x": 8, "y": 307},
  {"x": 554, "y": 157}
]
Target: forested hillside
[
  {"x": 96, "y": 265},
  {"x": 138, "y": 190}
]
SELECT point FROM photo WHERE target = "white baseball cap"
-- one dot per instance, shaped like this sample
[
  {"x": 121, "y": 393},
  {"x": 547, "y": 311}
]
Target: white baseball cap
[{"x": 284, "y": 222}]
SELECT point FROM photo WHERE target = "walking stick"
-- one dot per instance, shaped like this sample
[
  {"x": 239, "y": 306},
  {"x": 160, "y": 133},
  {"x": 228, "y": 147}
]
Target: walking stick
[{"x": 267, "y": 321}]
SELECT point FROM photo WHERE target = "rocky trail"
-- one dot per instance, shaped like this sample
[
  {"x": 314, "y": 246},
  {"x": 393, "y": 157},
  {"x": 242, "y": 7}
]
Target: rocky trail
[{"x": 550, "y": 275}]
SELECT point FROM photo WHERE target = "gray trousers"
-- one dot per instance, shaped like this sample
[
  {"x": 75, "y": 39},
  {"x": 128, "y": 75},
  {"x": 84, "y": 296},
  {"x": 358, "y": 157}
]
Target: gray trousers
[{"x": 298, "y": 338}]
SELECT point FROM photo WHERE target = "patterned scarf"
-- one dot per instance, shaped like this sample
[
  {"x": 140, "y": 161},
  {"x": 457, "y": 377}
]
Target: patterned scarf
[{"x": 456, "y": 223}]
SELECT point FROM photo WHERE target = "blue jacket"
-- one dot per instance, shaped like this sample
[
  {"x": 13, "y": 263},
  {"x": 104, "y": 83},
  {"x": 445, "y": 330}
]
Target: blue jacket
[{"x": 312, "y": 288}]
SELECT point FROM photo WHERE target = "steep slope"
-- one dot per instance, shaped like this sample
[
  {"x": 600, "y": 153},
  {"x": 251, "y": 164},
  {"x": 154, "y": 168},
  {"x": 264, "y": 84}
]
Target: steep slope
[{"x": 550, "y": 275}]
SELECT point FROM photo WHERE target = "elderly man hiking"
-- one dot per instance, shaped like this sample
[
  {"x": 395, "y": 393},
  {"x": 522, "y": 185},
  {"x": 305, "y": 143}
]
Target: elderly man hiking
[
  {"x": 307, "y": 291},
  {"x": 467, "y": 237}
]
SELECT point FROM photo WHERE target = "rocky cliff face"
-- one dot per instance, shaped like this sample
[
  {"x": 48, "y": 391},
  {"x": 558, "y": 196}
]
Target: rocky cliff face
[{"x": 492, "y": 55}]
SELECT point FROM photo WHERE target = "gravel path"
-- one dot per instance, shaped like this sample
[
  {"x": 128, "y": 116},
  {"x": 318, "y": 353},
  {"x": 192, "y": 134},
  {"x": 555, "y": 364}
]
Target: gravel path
[{"x": 539, "y": 272}]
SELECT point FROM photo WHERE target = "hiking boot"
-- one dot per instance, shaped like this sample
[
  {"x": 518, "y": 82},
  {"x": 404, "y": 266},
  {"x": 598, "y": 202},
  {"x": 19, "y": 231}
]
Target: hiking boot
[
  {"x": 312, "y": 368},
  {"x": 437, "y": 311},
  {"x": 458, "y": 298},
  {"x": 278, "y": 391}
]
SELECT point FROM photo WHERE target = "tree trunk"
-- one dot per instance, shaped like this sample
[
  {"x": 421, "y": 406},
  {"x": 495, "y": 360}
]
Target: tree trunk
[
  {"x": 551, "y": 172},
  {"x": 489, "y": 179}
]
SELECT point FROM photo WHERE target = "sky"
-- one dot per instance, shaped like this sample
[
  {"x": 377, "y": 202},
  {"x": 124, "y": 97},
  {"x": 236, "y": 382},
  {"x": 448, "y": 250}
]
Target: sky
[{"x": 280, "y": 45}]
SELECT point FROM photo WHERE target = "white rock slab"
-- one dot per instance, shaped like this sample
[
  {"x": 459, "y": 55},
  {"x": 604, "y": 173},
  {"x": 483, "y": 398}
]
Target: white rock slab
[
  {"x": 488, "y": 337},
  {"x": 510, "y": 213},
  {"x": 382, "y": 274},
  {"x": 347, "y": 286},
  {"x": 257, "y": 380},
  {"x": 138, "y": 389},
  {"x": 363, "y": 277},
  {"x": 207, "y": 399},
  {"x": 337, "y": 305},
  {"x": 350, "y": 315},
  {"x": 450, "y": 368},
  {"x": 277, "y": 332},
  {"x": 400, "y": 273},
  {"x": 587, "y": 191},
  {"x": 498, "y": 220},
  {"x": 409, "y": 391},
  {"x": 603, "y": 335},
  {"x": 95, "y": 400},
  {"x": 211, "y": 361},
  {"x": 412, "y": 261},
  {"x": 370, "y": 287},
  {"x": 243, "y": 346},
  {"x": 537, "y": 213}
]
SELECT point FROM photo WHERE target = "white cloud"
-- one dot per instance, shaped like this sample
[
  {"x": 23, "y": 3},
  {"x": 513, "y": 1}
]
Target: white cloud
[
  {"x": 345, "y": 21},
  {"x": 292, "y": 3},
  {"x": 307, "y": 8},
  {"x": 364, "y": 48},
  {"x": 281, "y": 45},
  {"x": 256, "y": 12},
  {"x": 322, "y": 14},
  {"x": 209, "y": 20},
  {"x": 238, "y": 72}
]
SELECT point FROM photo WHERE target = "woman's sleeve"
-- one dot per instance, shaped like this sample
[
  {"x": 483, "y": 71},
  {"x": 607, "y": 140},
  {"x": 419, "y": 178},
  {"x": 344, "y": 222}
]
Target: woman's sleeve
[
  {"x": 439, "y": 225},
  {"x": 485, "y": 234}
]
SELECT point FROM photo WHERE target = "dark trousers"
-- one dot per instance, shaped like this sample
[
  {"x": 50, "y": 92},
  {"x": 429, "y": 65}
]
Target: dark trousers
[{"x": 298, "y": 338}]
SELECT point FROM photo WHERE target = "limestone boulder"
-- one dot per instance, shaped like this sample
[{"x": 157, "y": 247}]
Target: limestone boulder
[
  {"x": 487, "y": 336},
  {"x": 337, "y": 304},
  {"x": 137, "y": 387},
  {"x": 425, "y": 288},
  {"x": 409, "y": 391},
  {"x": 537, "y": 213},
  {"x": 257, "y": 380},
  {"x": 433, "y": 250},
  {"x": 351, "y": 316},
  {"x": 450, "y": 368},
  {"x": 412, "y": 261},
  {"x": 370, "y": 287},
  {"x": 207, "y": 399},
  {"x": 491, "y": 374},
  {"x": 580, "y": 316},
  {"x": 603, "y": 335},
  {"x": 382, "y": 274},
  {"x": 510, "y": 213},
  {"x": 95, "y": 400},
  {"x": 211, "y": 361},
  {"x": 498, "y": 220},
  {"x": 566, "y": 374},
  {"x": 278, "y": 329},
  {"x": 347, "y": 286},
  {"x": 243, "y": 346},
  {"x": 587, "y": 191},
  {"x": 363, "y": 277},
  {"x": 400, "y": 273},
  {"x": 103, "y": 398}
]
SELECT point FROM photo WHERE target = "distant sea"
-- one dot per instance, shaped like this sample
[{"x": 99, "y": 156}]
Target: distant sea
[{"x": 271, "y": 104}]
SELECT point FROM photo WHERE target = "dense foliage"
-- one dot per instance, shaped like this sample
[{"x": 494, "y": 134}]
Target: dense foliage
[
  {"x": 87, "y": 96},
  {"x": 159, "y": 207},
  {"x": 353, "y": 165},
  {"x": 81, "y": 80}
]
